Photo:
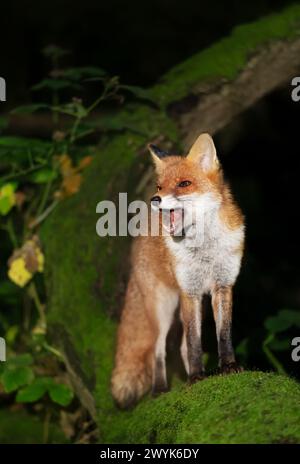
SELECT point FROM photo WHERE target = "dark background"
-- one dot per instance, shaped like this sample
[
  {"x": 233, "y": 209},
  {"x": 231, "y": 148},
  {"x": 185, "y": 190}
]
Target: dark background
[{"x": 139, "y": 41}]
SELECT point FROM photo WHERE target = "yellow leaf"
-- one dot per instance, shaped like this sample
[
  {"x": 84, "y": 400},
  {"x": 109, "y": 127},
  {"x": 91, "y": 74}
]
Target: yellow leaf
[
  {"x": 7, "y": 190},
  {"x": 26, "y": 261},
  {"x": 71, "y": 175},
  {"x": 71, "y": 184},
  {"x": 84, "y": 162},
  {"x": 66, "y": 165},
  {"x": 7, "y": 198},
  {"x": 18, "y": 272},
  {"x": 39, "y": 329}
]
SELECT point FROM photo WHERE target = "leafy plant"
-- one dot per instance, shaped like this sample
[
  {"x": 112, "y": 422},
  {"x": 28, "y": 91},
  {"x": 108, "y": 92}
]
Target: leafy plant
[
  {"x": 35, "y": 176},
  {"x": 34, "y": 391},
  {"x": 275, "y": 325},
  {"x": 18, "y": 376},
  {"x": 276, "y": 338}
]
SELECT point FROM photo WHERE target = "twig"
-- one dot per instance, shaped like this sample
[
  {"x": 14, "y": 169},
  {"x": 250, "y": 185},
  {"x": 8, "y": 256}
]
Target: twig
[
  {"x": 32, "y": 292},
  {"x": 44, "y": 197},
  {"x": 271, "y": 357},
  {"x": 54, "y": 351},
  {"x": 9, "y": 228},
  {"x": 46, "y": 426},
  {"x": 43, "y": 216},
  {"x": 21, "y": 173}
]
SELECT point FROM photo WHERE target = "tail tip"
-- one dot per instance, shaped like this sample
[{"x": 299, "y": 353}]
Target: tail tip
[{"x": 128, "y": 389}]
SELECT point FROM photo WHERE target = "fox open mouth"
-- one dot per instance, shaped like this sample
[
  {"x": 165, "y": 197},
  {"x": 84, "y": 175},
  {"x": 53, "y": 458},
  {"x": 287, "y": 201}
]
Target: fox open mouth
[{"x": 172, "y": 220}]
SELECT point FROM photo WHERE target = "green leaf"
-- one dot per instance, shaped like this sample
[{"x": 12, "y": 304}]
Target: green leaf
[
  {"x": 290, "y": 315},
  {"x": 61, "y": 394},
  {"x": 11, "y": 334},
  {"x": 22, "y": 143},
  {"x": 29, "y": 109},
  {"x": 21, "y": 360},
  {"x": 53, "y": 84},
  {"x": 16, "y": 377},
  {"x": 20, "y": 152},
  {"x": 280, "y": 345},
  {"x": 75, "y": 109},
  {"x": 35, "y": 391},
  {"x": 5, "y": 206},
  {"x": 276, "y": 324},
  {"x": 43, "y": 176},
  {"x": 285, "y": 319},
  {"x": 139, "y": 92},
  {"x": 12, "y": 141}
]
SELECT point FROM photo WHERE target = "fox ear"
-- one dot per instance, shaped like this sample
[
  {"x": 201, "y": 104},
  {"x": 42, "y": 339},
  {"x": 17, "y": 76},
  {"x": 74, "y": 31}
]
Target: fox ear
[
  {"x": 158, "y": 156},
  {"x": 204, "y": 152}
]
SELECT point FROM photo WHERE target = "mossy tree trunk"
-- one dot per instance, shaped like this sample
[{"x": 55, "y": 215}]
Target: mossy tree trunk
[{"x": 85, "y": 274}]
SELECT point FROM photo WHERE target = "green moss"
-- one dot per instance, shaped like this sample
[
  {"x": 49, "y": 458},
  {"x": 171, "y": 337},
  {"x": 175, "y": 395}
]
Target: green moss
[
  {"x": 80, "y": 264},
  {"x": 252, "y": 407},
  {"x": 21, "y": 428},
  {"x": 227, "y": 57}
]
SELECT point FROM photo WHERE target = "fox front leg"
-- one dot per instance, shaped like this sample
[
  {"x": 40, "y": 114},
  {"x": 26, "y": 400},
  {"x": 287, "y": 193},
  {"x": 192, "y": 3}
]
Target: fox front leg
[
  {"x": 222, "y": 309},
  {"x": 191, "y": 316}
]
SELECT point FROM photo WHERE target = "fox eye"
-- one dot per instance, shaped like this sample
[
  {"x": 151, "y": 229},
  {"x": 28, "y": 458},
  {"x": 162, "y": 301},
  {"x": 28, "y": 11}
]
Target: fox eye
[
  {"x": 158, "y": 187},
  {"x": 184, "y": 183}
]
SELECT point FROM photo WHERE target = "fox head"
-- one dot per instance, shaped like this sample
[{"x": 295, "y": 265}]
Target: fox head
[{"x": 187, "y": 184}]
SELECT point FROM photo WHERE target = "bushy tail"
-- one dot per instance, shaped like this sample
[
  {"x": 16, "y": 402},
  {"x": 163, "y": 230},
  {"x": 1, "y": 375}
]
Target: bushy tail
[{"x": 132, "y": 375}]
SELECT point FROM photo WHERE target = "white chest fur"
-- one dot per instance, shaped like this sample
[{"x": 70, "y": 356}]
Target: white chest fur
[{"x": 216, "y": 260}]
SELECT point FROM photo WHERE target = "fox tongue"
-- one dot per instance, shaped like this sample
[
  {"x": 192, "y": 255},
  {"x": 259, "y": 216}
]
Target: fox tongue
[
  {"x": 175, "y": 218},
  {"x": 172, "y": 219}
]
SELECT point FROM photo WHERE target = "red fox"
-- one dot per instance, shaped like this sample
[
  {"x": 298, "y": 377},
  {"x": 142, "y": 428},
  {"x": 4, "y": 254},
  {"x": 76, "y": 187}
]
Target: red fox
[{"x": 167, "y": 272}]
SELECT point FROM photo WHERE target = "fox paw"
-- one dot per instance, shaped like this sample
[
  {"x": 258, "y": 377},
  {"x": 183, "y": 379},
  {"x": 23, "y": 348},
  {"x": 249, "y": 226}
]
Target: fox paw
[
  {"x": 157, "y": 390},
  {"x": 230, "y": 368},
  {"x": 196, "y": 378}
]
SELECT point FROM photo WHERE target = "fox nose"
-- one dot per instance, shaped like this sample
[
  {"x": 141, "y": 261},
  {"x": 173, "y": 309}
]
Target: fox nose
[{"x": 156, "y": 199}]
